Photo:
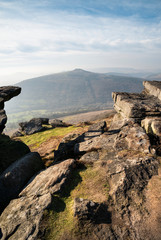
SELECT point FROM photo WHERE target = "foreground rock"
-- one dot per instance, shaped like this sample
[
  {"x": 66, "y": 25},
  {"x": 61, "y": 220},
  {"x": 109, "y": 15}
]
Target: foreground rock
[
  {"x": 14, "y": 178},
  {"x": 124, "y": 156},
  {"x": 21, "y": 219}
]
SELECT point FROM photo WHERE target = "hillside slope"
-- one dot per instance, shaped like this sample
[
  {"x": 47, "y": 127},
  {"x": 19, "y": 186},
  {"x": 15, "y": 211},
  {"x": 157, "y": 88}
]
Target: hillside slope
[{"x": 70, "y": 91}]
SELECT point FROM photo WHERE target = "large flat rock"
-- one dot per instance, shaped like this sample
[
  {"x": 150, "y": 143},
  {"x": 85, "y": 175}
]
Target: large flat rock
[
  {"x": 135, "y": 105},
  {"x": 153, "y": 88},
  {"x": 21, "y": 218}
]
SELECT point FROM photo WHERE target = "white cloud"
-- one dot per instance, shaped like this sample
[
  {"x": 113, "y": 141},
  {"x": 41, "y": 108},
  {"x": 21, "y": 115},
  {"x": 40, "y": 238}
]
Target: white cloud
[{"x": 64, "y": 40}]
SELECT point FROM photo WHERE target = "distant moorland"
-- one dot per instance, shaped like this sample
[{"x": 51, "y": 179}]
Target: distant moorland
[{"x": 66, "y": 93}]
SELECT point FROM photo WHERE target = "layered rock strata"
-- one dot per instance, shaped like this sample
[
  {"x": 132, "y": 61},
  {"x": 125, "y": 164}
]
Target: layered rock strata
[
  {"x": 136, "y": 106},
  {"x": 153, "y": 88}
]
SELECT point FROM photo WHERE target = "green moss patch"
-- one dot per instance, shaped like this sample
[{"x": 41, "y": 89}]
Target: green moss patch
[
  {"x": 35, "y": 140},
  {"x": 86, "y": 183}
]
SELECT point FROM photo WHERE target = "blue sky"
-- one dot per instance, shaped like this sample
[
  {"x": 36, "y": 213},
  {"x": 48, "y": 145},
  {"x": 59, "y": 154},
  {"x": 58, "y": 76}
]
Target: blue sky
[{"x": 45, "y": 36}]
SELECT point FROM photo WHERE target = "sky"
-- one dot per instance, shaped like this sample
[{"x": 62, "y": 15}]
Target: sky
[{"x": 45, "y": 36}]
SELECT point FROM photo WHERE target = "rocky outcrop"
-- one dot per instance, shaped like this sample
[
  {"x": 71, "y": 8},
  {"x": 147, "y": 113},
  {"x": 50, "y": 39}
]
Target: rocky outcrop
[
  {"x": 6, "y": 93},
  {"x": 136, "y": 106},
  {"x": 75, "y": 144},
  {"x": 85, "y": 209},
  {"x": 153, "y": 88},
  {"x": 144, "y": 108},
  {"x": 10, "y": 151},
  {"x": 58, "y": 123},
  {"x": 37, "y": 125},
  {"x": 152, "y": 125},
  {"x": 21, "y": 219},
  {"x": 14, "y": 178},
  {"x": 17, "y": 164},
  {"x": 9, "y": 92},
  {"x": 125, "y": 154},
  {"x": 33, "y": 126}
]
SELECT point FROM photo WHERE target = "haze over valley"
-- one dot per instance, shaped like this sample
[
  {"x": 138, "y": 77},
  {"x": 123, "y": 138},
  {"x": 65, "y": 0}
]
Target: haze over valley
[{"x": 69, "y": 92}]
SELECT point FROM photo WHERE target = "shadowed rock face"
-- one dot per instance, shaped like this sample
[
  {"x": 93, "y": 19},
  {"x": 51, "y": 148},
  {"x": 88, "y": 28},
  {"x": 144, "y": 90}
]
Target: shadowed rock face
[
  {"x": 10, "y": 151},
  {"x": 17, "y": 164},
  {"x": 21, "y": 219},
  {"x": 6, "y": 93},
  {"x": 9, "y": 92},
  {"x": 14, "y": 178}
]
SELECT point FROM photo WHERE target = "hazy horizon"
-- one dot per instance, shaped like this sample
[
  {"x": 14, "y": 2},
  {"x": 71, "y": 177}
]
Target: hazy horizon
[{"x": 50, "y": 36}]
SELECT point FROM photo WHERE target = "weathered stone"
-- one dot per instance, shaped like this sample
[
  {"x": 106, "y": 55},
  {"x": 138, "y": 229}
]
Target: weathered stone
[
  {"x": 21, "y": 218},
  {"x": 1, "y": 103},
  {"x": 40, "y": 121},
  {"x": 91, "y": 134},
  {"x": 89, "y": 158},
  {"x": 6, "y": 93},
  {"x": 137, "y": 106},
  {"x": 10, "y": 151},
  {"x": 71, "y": 137},
  {"x": 87, "y": 146},
  {"x": 66, "y": 147},
  {"x": 152, "y": 126},
  {"x": 128, "y": 178},
  {"x": 17, "y": 134},
  {"x": 9, "y": 92},
  {"x": 118, "y": 122},
  {"x": 85, "y": 209},
  {"x": 57, "y": 123},
  {"x": 14, "y": 178},
  {"x": 3, "y": 120},
  {"x": 153, "y": 88},
  {"x": 104, "y": 141},
  {"x": 3, "y": 117},
  {"x": 31, "y": 127},
  {"x": 100, "y": 127},
  {"x": 133, "y": 137}
]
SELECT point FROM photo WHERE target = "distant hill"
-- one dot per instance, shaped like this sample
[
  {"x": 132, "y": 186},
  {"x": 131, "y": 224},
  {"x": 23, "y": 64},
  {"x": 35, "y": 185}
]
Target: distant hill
[
  {"x": 70, "y": 91},
  {"x": 156, "y": 76}
]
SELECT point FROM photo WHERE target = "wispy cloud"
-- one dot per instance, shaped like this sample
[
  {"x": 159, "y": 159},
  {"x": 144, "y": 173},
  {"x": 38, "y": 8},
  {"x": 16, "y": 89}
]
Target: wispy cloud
[{"x": 48, "y": 32}]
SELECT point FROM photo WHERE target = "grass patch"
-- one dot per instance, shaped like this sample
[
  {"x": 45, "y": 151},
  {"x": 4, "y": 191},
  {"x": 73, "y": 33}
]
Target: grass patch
[
  {"x": 86, "y": 183},
  {"x": 36, "y": 139}
]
